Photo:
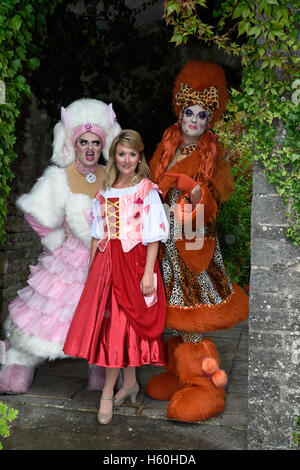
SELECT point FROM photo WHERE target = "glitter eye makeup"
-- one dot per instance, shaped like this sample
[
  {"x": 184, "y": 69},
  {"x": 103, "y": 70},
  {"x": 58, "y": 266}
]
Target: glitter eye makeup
[{"x": 202, "y": 115}]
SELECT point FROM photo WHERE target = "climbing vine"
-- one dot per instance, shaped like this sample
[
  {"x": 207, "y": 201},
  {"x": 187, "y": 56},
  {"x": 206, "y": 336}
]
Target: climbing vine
[
  {"x": 19, "y": 20},
  {"x": 234, "y": 218},
  {"x": 264, "y": 35}
]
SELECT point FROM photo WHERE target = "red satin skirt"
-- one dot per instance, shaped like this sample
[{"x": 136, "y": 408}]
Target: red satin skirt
[{"x": 112, "y": 325}]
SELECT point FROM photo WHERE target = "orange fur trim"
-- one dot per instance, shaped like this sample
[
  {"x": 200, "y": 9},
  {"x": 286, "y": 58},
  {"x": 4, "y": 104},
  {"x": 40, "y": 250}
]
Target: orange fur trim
[
  {"x": 222, "y": 180},
  {"x": 189, "y": 358},
  {"x": 172, "y": 345},
  {"x": 163, "y": 386},
  {"x": 209, "y": 318},
  {"x": 197, "y": 403},
  {"x": 192, "y": 395},
  {"x": 199, "y": 399},
  {"x": 193, "y": 363},
  {"x": 188, "y": 166}
]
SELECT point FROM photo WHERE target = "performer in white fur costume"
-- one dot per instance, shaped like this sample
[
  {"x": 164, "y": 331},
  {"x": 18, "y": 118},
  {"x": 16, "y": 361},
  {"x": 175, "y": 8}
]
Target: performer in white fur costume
[{"x": 58, "y": 208}]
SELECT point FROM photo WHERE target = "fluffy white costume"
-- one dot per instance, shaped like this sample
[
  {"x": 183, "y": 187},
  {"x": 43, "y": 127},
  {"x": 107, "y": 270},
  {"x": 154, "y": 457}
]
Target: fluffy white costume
[{"x": 40, "y": 315}]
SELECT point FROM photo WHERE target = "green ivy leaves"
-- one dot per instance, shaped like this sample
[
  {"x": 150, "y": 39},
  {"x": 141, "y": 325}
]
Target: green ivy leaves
[
  {"x": 277, "y": 148},
  {"x": 234, "y": 218},
  {"x": 33, "y": 63},
  {"x": 15, "y": 23},
  {"x": 6, "y": 416},
  {"x": 18, "y": 21}
]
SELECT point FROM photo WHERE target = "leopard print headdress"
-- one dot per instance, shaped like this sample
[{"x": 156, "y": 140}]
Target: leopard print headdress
[
  {"x": 202, "y": 83},
  {"x": 207, "y": 98}
]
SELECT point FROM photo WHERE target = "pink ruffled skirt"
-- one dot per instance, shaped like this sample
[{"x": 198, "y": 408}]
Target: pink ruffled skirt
[{"x": 45, "y": 307}]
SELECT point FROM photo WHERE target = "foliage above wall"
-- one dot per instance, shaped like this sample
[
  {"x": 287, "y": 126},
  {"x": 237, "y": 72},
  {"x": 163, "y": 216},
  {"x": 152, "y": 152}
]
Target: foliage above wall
[
  {"x": 19, "y": 20},
  {"x": 234, "y": 217},
  {"x": 264, "y": 35}
]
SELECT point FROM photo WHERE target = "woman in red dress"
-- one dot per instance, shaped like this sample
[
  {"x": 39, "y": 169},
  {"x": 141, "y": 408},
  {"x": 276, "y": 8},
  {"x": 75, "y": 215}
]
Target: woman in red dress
[{"x": 121, "y": 314}]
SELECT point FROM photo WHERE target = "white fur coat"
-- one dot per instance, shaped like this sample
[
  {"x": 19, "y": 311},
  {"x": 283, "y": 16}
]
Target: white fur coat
[{"x": 51, "y": 202}]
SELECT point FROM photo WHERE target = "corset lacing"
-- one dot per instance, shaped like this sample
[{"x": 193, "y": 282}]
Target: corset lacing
[{"x": 113, "y": 217}]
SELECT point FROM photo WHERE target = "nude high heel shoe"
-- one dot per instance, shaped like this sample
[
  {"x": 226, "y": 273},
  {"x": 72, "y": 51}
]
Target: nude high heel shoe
[
  {"x": 132, "y": 392},
  {"x": 105, "y": 418}
]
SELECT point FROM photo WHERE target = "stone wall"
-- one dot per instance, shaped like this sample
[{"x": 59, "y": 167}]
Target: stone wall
[{"x": 274, "y": 341}]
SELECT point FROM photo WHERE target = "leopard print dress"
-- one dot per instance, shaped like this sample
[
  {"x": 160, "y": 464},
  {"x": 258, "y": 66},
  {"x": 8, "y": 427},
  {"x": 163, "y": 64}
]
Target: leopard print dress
[{"x": 184, "y": 287}]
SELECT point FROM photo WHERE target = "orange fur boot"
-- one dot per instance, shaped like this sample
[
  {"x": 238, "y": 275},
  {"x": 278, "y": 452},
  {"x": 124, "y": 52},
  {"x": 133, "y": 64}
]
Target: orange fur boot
[
  {"x": 163, "y": 386},
  {"x": 193, "y": 381},
  {"x": 198, "y": 373}
]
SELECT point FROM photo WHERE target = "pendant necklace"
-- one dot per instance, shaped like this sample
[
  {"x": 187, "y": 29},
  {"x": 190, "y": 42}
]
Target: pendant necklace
[{"x": 88, "y": 172}]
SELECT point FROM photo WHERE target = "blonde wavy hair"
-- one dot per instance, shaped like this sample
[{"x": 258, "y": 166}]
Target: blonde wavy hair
[{"x": 132, "y": 140}]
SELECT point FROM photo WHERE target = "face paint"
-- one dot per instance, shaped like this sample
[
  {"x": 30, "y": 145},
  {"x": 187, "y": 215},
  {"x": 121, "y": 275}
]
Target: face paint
[
  {"x": 88, "y": 148},
  {"x": 194, "y": 122}
]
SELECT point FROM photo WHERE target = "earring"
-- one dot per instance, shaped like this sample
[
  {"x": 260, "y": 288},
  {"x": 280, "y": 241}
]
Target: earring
[{"x": 140, "y": 161}]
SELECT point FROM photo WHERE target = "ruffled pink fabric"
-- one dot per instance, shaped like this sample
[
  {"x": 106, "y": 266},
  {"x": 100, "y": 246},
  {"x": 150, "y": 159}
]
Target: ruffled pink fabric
[
  {"x": 38, "y": 228},
  {"x": 45, "y": 307}
]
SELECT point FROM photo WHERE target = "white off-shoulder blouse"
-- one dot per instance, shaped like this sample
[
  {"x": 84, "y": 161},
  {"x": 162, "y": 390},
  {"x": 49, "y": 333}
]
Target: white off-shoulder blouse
[{"x": 155, "y": 224}]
